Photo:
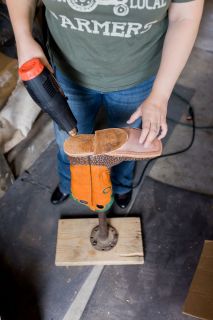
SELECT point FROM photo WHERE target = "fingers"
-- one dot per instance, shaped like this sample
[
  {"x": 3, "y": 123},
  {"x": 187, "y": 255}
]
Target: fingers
[
  {"x": 31, "y": 49},
  {"x": 134, "y": 116},
  {"x": 47, "y": 64},
  {"x": 50, "y": 68},
  {"x": 145, "y": 131},
  {"x": 164, "y": 129},
  {"x": 154, "y": 122},
  {"x": 153, "y": 132}
]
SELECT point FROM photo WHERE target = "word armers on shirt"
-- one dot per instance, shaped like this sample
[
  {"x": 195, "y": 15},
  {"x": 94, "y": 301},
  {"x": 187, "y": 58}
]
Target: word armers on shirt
[{"x": 107, "y": 28}]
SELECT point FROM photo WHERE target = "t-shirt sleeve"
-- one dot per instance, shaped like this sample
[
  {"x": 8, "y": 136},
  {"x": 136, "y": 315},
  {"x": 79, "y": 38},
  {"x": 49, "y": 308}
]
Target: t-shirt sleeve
[{"x": 182, "y": 1}]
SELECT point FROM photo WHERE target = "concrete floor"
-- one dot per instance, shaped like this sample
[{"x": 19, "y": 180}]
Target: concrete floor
[
  {"x": 175, "y": 224},
  {"x": 193, "y": 170},
  {"x": 175, "y": 205}
]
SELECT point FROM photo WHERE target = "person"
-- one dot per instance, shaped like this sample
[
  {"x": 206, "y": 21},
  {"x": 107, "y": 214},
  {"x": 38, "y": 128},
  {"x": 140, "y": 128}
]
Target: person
[{"x": 123, "y": 54}]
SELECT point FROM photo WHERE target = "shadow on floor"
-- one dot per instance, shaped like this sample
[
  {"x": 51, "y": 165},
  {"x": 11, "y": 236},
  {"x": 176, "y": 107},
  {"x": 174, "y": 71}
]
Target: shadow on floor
[{"x": 18, "y": 297}]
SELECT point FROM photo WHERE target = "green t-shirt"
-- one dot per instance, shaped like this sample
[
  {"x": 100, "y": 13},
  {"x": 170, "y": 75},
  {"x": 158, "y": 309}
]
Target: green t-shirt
[{"x": 107, "y": 45}]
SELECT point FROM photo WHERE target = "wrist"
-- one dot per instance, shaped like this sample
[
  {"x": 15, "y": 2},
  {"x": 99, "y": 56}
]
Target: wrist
[
  {"x": 162, "y": 90},
  {"x": 158, "y": 99}
]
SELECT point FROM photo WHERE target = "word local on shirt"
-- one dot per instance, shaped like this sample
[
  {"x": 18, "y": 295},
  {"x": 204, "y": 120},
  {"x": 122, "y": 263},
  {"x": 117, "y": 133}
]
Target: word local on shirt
[{"x": 122, "y": 6}]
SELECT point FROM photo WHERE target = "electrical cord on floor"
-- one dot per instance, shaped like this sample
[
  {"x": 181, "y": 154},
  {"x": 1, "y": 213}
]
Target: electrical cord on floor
[
  {"x": 187, "y": 124},
  {"x": 191, "y": 117},
  {"x": 191, "y": 114}
]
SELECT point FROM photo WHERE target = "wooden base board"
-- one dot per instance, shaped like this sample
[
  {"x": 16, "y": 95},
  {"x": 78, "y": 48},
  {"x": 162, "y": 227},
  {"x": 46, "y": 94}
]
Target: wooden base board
[{"x": 74, "y": 247}]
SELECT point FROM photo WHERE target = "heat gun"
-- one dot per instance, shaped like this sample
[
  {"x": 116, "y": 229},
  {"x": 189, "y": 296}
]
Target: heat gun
[{"x": 45, "y": 91}]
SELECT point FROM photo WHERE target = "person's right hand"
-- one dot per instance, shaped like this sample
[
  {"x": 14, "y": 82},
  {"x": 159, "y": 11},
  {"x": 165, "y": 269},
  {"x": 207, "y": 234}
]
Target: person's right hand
[{"x": 29, "y": 49}]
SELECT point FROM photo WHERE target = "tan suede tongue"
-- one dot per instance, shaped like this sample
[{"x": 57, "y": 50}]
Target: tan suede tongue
[
  {"x": 79, "y": 144},
  {"x": 109, "y": 139}
]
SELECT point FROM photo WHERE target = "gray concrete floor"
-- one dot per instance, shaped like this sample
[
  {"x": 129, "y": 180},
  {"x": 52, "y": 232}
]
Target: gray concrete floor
[
  {"x": 175, "y": 222},
  {"x": 193, "y": 169}
]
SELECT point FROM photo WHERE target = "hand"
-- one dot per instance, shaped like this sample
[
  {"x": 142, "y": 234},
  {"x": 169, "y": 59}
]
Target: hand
[
  {"x": 153, "y": 112},
  {"x": 29, "y": 49}
]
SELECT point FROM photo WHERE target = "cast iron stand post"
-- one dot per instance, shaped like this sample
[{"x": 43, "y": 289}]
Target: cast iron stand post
[{"x": 103, "y": 237}]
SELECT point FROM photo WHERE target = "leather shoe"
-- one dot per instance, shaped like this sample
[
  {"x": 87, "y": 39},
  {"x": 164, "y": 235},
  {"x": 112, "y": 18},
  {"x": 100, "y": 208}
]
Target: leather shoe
[
  {"x": 114, "y": 142},
  {"x": 58, "y": 196},
  {"x": 123, "y": 200}
]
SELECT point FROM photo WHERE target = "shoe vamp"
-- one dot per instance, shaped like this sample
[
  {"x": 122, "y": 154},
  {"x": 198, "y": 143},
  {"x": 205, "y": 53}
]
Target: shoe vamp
[{"x": 108, "y": 140}]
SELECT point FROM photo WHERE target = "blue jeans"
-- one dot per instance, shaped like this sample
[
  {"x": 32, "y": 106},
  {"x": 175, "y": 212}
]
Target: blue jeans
[{"x": 85, "y": 104}]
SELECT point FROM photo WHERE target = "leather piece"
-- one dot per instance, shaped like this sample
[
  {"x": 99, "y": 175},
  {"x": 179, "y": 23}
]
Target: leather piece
[
  {"x": 133, "y": 148},
  {"x": 78, "y": 145},
  {"x": 115, "y": 142},
  {"x": 109, "y": 139}
]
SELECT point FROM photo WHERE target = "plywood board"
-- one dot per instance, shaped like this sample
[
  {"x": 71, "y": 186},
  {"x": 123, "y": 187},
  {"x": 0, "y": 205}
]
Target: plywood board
[
  {"x": 199, "y": 302},
  {"x": 74, "y": 247}
]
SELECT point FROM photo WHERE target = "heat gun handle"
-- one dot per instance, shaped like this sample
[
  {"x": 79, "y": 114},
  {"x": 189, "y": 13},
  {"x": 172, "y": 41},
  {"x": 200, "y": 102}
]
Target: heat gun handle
[{"x": 45, "y": 91}]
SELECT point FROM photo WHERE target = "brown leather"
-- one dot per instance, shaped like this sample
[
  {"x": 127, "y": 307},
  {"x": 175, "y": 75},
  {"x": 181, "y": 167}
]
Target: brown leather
[
  {"x": 115, "y": 142},
  {"x": 109, "y": 140},
  {"x": 133, "y": 148},
  {"x": 82, "y": 144}
]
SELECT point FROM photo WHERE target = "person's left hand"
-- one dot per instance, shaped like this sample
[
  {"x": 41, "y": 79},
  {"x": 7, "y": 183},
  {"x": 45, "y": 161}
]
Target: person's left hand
[{"x": 153, "y": 112}]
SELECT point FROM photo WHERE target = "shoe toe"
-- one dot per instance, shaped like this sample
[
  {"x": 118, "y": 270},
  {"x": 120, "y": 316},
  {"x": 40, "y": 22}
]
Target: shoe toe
[
  {"x": 123, "y": 200},
  {"x": 58, "y": 196}
]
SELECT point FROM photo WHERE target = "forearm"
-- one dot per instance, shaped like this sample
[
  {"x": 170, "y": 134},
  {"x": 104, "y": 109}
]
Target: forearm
[
  {"x": 178, "y": 44},
  {"x": 21, "y": 14}
]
